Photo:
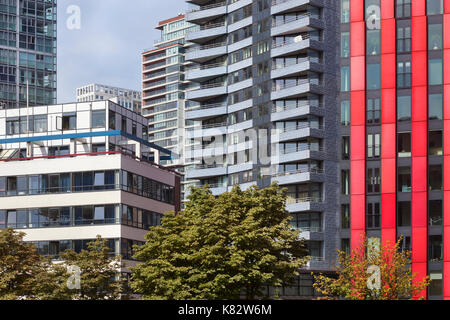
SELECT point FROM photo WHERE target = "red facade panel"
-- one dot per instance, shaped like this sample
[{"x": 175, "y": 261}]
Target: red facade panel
[
  {"x": 388, "y": 102},
  {"x": 358, "y": 74},
  {"x": 388, "y": 177},
  {"x": 387, "y": 9},
  {"x": 358, "y": 36},
  {"x": 356, "y": 11},
  {"x": 418, "y": 8}
]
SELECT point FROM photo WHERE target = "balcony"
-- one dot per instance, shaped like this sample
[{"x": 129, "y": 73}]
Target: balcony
[
  {"x": 295, "y": 24},
  {"x": 299, "y": 153},
  {"x": 206, "y": 52},
  {"x": 303, "y": 109},
  {"x": 208, "y": 130},
  {"x": 303, "y": 130},
  {"x": 305, "y": 204},
  {"x": 299, "y": 176},
  {"x": 205, "y": 171},
  {"x": 206, "y": 111},
  {"x": 299, "y": 67},
  {"x": 300, "y": 44},
  {"x": 296, "y": 90},
  {"x": 234, "y": 5},
  {"x": 285, "y": 6},
  {"x": 206, "y": 72},
  {"x": 207, "y": 91},
  {"x": 207, "y": 12},
  {"x": 207, "y": 32}
]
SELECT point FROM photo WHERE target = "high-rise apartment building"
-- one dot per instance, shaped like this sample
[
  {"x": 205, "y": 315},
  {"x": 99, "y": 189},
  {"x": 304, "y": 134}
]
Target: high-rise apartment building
[
  {"x": 266, "y": 89},
  {"x": 130, "y": 99},
  {"x": 82, "y": 170},
  {"x": 27, "y": 53},
  {"x": 394, "y": 124}
]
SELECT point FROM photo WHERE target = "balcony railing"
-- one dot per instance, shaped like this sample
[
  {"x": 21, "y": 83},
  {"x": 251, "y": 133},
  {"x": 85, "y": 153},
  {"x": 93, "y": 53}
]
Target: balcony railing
[
  {"x": 304, "y": 200},
  {"x": 304, "y": 125},
  {"x": 291, "y": 19},
  {"x": 303, "y": 147},
  {"x": 208, "y": 126},
  {"x": 288, "y": 173},
  {"x": 276, "y": 66},
  {"x": 299, "y": 82},
  {"x": 299, "y": 38},
  {"x": 300, "y": 105},
  {"x": 209, "y": 6},
  {"x": 208, "y": 66},
  {"x": 206, "y": 47}
]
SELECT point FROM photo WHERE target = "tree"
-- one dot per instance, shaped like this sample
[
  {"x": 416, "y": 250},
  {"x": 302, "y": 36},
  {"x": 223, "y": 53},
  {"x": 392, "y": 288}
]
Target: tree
[
  {"x": 99, "y": 278},
  {"x": 24, "y": 274},
  {"x": 357, "y": 274},
  {"x": 220, "y": 248}
]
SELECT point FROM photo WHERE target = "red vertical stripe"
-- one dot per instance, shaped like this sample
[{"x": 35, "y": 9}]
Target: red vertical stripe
[
  {"x": 388, "y": 123},
  {"x": 358, "y": 116},
  {"x": 419, "y": 140},
  {"x": 446, "y": 136}
]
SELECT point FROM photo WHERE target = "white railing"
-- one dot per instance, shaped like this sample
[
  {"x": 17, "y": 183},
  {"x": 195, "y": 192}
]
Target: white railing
[
  {"x": 301, "y": 37},
  {"x": 303, "y": 125},
  {"x": 291, "y": 19},
  {"x": 302, "y": 147},
  {"x": 206, "y": 47},
  {"x": 288, "y": 173},
  {"x": 209, "y": 6},
  {"x": 208, "y": 66},
  {"x": 299, "y": 82},
  {"x": 301, "y": 105},
  {"x": 303, "y": 200}
]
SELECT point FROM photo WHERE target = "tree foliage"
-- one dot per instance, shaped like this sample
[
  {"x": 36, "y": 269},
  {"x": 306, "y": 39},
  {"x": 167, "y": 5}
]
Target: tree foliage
[
  {"x": 397, "y": 280},
  {"x": 220, "y": 248}
]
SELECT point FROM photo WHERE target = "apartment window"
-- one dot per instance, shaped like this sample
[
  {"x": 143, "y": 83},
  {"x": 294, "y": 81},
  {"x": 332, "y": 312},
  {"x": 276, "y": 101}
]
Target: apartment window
[
  {"x": 405, "y": 243},
  {"x": 345, "y": 246},
  {"x": 315, "y": 249},
  {"x": 373, "y": 180},
  {"x": 434, "y": 71},
  {"x": 345, "y": 216},
  {"x": 404, "y": 108},
  {"x": 373, "y": 42},
  {"x": 345, "y": 182},
  {"x": 345, "y": 11},
  {"x": 373, "y": 76},
  {"x": 435, "y": 143},
  {"x": 404, "y": 144},
  {"x": 345, "y": 113},
  {"x": 435, "y": 106},
  {"x": 435, "y": 248},
  {"x": 345, "y": 44},
  {"x": 435, "y": 287},
  {"x": 69, "y": 121},
  {"x": 346, "y": 148},
  {"x": 311, "y": 221},
  {"x": 435, "y": 213},
  {"x": 373, "y": 217},
  {"x": 403, "y": 8},
  {"x": 435, "y": 7},
  {"x": 99, "y": 119},
  {"x": 345, "y": 78},
  {"x": 373, "y": 111},
  {"x": 435, "y": 36},
  {"x": 373, "y": 145},
  {"x": 404, "y": 214},
  {"x": 404, "y": 179},
  {"x": 435, "y": 177},
  {"x": 404, "y": 74},
  {"x": 112, "y": 120},
  {"x": 404, "y": 39}
]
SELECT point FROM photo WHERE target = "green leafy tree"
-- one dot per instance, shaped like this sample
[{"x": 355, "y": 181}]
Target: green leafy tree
[
  {"x": 24, "y": 274},
  {"x": 100, "y": 273},
  {"x": 224, "y": 247},
  {"x": 355, "y": 280}
]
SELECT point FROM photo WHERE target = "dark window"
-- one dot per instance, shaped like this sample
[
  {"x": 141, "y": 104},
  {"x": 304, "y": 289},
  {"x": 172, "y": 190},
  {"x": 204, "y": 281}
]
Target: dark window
[
  {"x": 435, "y": 177},
  {"x": 373, "y": 218},
  {"x": 404, "y": 39},
  {"x": 69, "y": 121},
  {"x": 404, "y": 74},
  {"x": 346, "y": 148},
  {"x": 435, "y": 248},
  {"x": 435, "y": 36},
  {"x": 404, "y": 179},
  {"x": 404, "y": 144},
  {"x": 404, "y": 214},
  {"x": 435, "y": 213},
  {"x": 435, "y": 106},
  {"x": 345, "y": 216},
  {"x": 373, "y": 111},
  {"x": 435, "y": 143},
  {"x": 403, "y": 8},
  {"x": 373, "y": 180},
  {"x": 99, "y": 119}
]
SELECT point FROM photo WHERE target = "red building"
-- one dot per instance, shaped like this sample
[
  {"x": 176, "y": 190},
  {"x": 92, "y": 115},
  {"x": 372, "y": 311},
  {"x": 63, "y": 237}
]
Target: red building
[{"x": 395, "y": 118}]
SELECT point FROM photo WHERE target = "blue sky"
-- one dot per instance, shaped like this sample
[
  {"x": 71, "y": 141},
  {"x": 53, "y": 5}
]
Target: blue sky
[{"x": 107, "y": 48}]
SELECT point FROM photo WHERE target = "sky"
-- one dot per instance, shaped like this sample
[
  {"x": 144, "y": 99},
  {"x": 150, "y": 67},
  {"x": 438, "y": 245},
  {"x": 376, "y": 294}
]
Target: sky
[{"x": 107, "y": 47}]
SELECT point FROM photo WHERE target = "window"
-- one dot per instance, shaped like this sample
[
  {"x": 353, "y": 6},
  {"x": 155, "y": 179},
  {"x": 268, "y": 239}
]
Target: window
[
  {"x": 315, "y": 249},
  {"x": 345, "y": 44},
  {"x": 345, "y": 182},
  {"x": 69, "y": 121},
  {"x": 345, "y": 11},
  {"x": 99, "y": 119},
  {"x": 435, "y": 287},
  {"x": 434, "y": 71},
  {"x": 373, "y": 42},
  {"x": 404, "y": 108},
  {"x": 404, "y": 179},
  {"x": 403, "y": 8},
  {"x": 435, "y": 177},
  {"x": 346, "y": 148},
  {"x": 404, "y": 74},
  {"x": 435, "y": 7},
  {"x": 435, "y": 36},
  {"x": 345, "y": 78},
  {"x": 311, "y": 221},
  {"x": 345, "y": 113},
  {"x": 345, "y": 216},
  {"x": 373, "y": 218},
  {"x": 435, "y": 248},
  {"x": 435, "y": 213},
  {"x": 373, "y": 180},
  {"x": 373, "y": 145},
  {"x": 373, "y": 76},
  {"x": 404, "y": 144},
  {"x": 373, "y": 111},
  {"x": 404, "y": 39},
  {"x": 404, "y": 214},
  {"x": 435, "y": 143},
  {"x": 435, "y": 106}
]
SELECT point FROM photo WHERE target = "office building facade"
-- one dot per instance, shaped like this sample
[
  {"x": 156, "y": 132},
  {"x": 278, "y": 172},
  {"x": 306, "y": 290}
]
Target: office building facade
[
  {"x": 394, "y": 100},
  {"x": 27, "y": 53},
  {"x": 130, "y": 99},
  {"x": 74, "y": 171},
  {"x": 266, "y": 90}
]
